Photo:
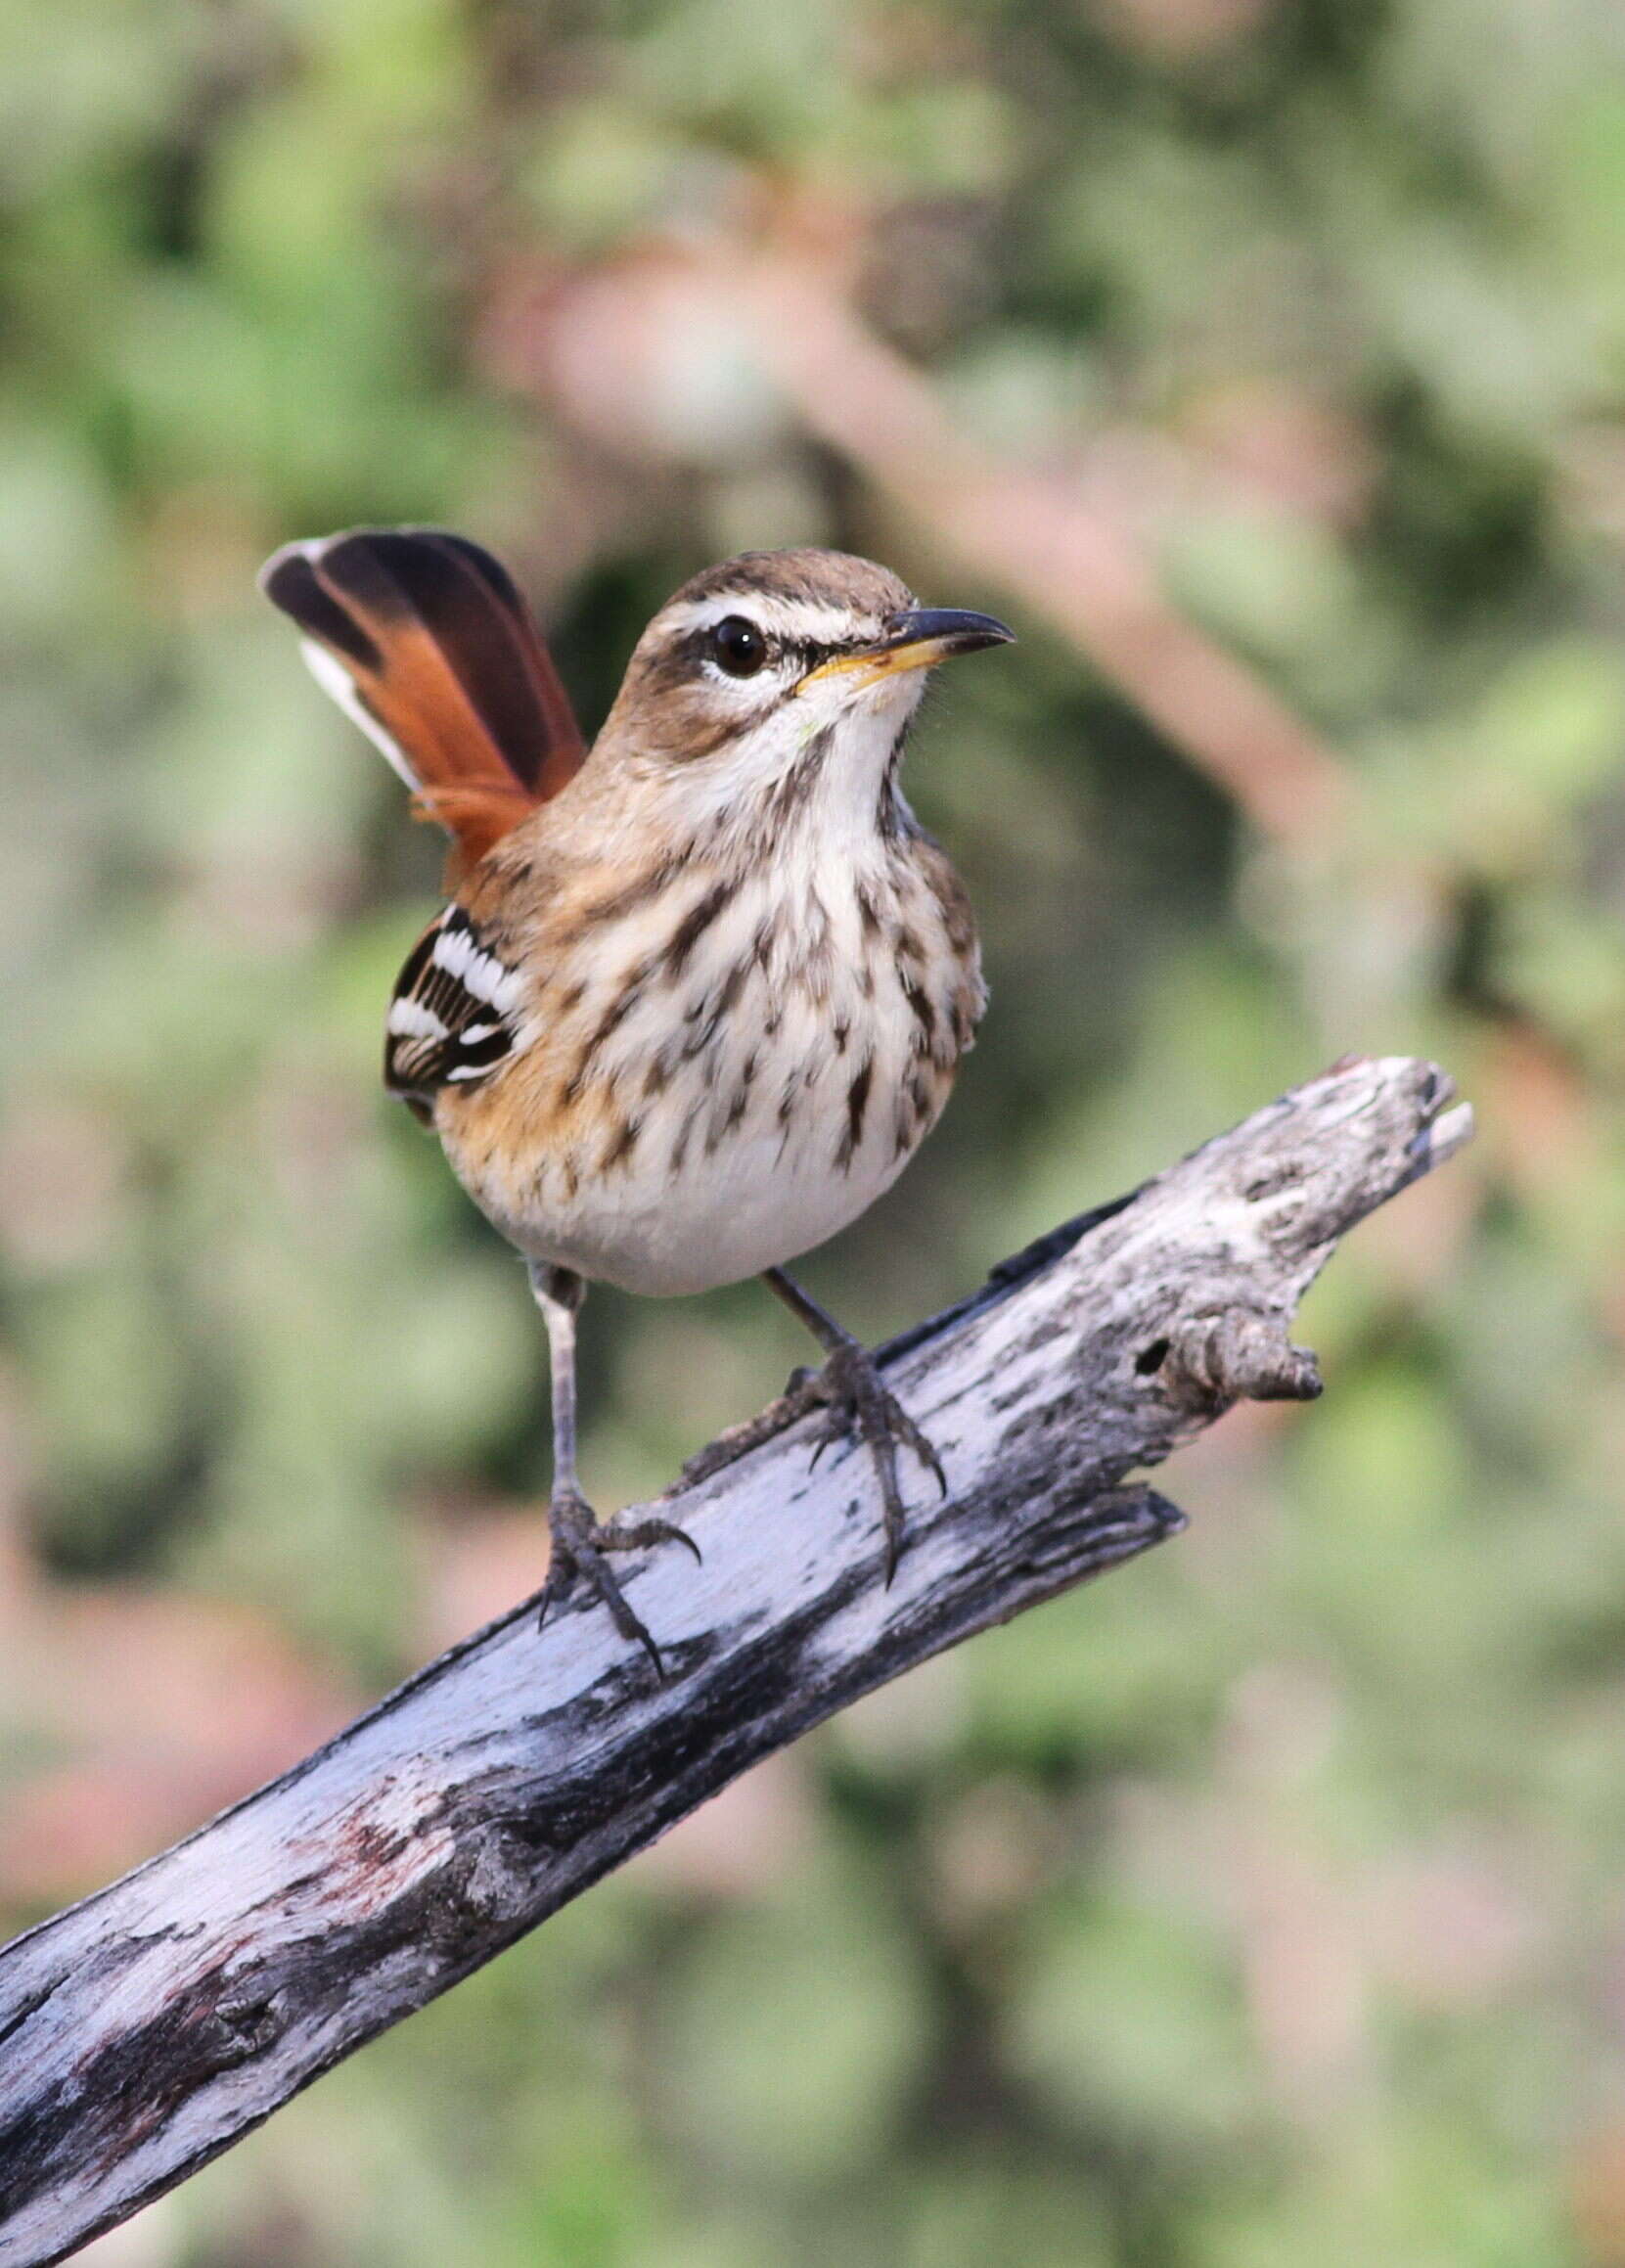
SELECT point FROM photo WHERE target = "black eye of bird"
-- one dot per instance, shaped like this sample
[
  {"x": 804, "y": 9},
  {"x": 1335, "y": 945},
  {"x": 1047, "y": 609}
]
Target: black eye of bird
[{"x": 738, "y": 646}]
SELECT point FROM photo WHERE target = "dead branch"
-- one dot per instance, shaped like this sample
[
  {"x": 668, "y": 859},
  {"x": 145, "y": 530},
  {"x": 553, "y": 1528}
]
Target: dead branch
[{"x": 144, "y": 2031}]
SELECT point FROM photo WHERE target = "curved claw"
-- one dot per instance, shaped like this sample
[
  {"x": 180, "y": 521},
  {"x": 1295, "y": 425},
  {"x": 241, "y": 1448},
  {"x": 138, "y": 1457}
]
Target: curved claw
[
  {"x": 849, "y": 1388},
  {"x": 580, "y": 1544},
  {"x": 640, "y": 1533},
  {"x": 916, "y": 1440}
]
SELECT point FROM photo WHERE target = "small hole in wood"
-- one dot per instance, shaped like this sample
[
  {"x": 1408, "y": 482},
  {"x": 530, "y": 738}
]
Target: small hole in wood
[{"x": 1152, "y": 1358}]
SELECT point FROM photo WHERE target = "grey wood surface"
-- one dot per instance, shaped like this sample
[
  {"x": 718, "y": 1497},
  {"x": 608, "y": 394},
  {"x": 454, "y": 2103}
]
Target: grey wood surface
[{"x": 145, "y": 2030}]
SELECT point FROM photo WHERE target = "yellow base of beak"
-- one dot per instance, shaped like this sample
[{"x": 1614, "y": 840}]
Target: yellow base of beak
[
  {"x": 920, "y": 639},
  {"x": 885, "y": 661}
]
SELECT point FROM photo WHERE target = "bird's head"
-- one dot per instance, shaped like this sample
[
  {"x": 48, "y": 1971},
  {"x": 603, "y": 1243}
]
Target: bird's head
[{"x": 780, "y": 666}]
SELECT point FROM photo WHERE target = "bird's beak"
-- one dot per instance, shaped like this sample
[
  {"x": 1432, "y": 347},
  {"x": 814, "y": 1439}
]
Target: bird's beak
[{"x": 917, "y": 639}]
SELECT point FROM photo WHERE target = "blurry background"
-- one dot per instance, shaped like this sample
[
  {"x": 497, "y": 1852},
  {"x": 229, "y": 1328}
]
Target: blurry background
[{"x": 1264, "y": 360}]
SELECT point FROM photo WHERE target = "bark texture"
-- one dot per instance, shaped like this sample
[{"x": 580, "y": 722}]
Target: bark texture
[{"x": 145, "y": 2030}]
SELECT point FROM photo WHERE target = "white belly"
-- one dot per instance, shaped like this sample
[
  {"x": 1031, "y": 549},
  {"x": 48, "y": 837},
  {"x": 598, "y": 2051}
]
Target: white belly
[
  {"x": 728, "y": 1123},
  {"x": 745, "y": 1209},
  {"x": 745, "y": 1160}
]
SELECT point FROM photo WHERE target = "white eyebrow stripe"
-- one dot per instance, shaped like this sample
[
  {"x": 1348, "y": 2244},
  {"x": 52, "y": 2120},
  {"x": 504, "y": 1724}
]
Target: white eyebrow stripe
[{"x": 810, "y": 620}]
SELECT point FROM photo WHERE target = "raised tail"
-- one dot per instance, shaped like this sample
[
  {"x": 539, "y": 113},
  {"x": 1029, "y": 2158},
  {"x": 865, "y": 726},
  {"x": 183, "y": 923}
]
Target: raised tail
[{"x": 422, "y": 638}]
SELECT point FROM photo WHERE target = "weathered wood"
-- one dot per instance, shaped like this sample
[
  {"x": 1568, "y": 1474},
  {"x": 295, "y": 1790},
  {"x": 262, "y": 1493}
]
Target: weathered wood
[{"x": 145, "y": 2030}]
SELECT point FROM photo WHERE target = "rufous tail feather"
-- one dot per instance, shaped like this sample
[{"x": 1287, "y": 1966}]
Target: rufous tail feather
[{"x": 423, "y": 639}]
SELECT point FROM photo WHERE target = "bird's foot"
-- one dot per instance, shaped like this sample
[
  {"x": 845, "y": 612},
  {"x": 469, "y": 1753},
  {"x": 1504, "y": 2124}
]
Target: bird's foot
[
  {"x": 581, "y": 1548},
  {"x": 849, "y": 1388}
]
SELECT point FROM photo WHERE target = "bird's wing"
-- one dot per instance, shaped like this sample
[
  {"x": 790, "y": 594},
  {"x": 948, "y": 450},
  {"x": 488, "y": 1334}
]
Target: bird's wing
[
  {"x": 423, "y": 639},
  {"x": 452, "y": 1015}
]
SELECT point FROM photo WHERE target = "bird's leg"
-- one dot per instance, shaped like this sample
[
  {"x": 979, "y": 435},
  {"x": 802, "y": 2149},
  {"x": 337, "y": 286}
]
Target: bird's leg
[
  {"x": 849, "y": 1388},
  {"x": 581, "y": 1540}
]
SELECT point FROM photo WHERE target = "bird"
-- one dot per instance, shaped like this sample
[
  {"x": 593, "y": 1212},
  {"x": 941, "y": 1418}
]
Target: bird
[{"x": 698, "y": 991}]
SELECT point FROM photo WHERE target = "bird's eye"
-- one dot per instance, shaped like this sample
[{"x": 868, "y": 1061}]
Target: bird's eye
[{"x": 738, "y": 646}]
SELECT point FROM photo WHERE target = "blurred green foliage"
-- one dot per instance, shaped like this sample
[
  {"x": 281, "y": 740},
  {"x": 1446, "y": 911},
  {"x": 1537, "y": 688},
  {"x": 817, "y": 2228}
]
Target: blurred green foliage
[{"x": 1261, "y": 1906}]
